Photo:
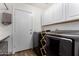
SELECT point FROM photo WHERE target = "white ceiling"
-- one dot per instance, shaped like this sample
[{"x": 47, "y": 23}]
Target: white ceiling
[{"x": 41, "y": 5}]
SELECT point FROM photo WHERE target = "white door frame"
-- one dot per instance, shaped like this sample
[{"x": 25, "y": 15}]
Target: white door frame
[{"x": 13, "y": 25}]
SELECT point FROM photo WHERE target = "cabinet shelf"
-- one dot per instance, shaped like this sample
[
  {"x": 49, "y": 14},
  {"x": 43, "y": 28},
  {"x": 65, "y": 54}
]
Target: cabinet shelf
[{"x": 62, "y": 22}]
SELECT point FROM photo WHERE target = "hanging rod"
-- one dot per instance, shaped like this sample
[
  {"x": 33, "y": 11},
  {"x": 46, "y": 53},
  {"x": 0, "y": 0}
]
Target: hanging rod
[{"x": 6, "y": 6}]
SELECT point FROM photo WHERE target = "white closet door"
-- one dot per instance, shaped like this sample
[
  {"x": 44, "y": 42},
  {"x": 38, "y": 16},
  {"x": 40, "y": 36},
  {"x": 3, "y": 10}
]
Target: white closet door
[{"x": 22, "y": 23}]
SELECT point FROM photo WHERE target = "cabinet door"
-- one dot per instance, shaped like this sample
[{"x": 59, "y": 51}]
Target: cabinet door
[
  {"x": 72, "y": 11},
  {"x": 22, "y": 27},
  {"x": 54, "y": 14},
  {"x": 59, "y": 13}
]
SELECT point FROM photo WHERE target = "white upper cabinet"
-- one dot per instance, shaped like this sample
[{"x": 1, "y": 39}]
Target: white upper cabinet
[
  {"x": 60, "y": 12},
  {"x": 72, "y": 11},
  {"x": 54, "y": 14}
]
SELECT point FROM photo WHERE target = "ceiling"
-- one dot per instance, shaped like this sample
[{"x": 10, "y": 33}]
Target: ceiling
[{"x": 41, "y": 5}]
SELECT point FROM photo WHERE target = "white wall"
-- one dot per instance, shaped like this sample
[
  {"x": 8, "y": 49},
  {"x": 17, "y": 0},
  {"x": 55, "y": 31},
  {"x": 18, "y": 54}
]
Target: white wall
[
  {"x": 7, "y": 28},
  {"x": 64, "y": 26}
]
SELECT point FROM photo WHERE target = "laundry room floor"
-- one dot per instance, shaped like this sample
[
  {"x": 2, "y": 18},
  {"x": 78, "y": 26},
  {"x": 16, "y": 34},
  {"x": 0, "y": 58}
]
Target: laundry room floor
[{"x": 29, "y": 52}]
